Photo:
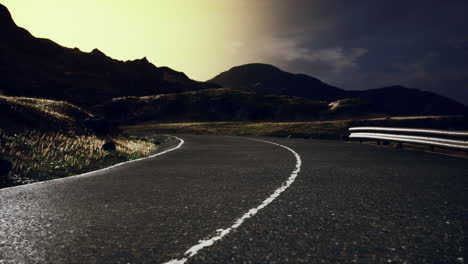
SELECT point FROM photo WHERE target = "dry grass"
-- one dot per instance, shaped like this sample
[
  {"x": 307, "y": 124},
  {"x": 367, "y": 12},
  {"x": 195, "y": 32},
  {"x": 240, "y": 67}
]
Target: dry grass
[
  {"x": 57, "y": 109},
  {"x": 47, "y": 139},
  {"x": 40, "y": 156}
]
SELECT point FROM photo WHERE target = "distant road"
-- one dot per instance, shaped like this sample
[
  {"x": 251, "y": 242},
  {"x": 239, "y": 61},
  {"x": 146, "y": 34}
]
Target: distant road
[{"x": 348, "y": 203}]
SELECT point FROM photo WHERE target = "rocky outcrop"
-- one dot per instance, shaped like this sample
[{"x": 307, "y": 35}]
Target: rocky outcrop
[{"x": 109, "y": 146}]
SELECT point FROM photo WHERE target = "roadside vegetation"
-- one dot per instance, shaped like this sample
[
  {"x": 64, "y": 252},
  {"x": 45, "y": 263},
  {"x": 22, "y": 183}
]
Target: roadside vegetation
[
  {"x": 46, "y": 139},
  {"x": 38, "y": 156},
  {"x": 337, "y": 129}
]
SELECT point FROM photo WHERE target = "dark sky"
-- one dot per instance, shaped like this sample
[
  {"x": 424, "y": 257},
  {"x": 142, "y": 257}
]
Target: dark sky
[{"x": 370, "y": 43}]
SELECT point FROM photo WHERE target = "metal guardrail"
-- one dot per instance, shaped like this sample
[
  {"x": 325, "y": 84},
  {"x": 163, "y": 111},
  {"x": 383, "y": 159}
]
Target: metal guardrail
[
  {"x": 414, "y": 136},
  {"x": 413, "y": 130}
]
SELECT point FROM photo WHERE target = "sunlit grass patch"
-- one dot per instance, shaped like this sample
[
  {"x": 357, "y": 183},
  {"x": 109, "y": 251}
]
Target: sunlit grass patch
[
  {"x": 57, "y": 109},
  {"x": 38, "y": 155}
]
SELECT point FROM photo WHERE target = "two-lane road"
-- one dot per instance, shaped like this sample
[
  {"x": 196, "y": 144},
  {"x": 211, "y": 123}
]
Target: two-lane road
[{"x": 348, "y": 203}]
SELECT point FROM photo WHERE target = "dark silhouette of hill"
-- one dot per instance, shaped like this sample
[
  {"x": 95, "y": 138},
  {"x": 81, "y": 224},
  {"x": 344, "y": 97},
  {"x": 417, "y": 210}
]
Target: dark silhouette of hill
[
  {"x": 393, "y": 100},
  {"x": 38, "y": 67},
  {"x": 267, "y": 79},
  {"x": 212, "y": 105}
]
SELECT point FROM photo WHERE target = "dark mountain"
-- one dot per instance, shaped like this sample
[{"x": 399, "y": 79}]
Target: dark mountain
[
  {"x": 212, "y": 105},
  {"x": 267, "y": 79},
  {"x": 394, "y": 100},
  {"x": 37, "y": 67}
]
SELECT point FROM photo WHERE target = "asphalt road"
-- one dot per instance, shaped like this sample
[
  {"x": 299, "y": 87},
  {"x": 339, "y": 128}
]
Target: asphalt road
[{"x": 349, "y": 203}]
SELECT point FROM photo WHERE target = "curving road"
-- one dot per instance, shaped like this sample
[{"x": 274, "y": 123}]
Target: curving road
[{"x": 335, "y": 203}]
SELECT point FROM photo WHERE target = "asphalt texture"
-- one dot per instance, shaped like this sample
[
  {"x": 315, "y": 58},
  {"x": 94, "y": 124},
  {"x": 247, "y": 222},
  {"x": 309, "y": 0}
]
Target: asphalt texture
[{"x": 350, "y": 203}]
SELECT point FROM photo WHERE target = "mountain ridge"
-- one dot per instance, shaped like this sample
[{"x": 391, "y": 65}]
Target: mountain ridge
[
  {"x": 266, "y": 78},
  {"x": 393, "y": 100},
  {"x": 41, "y": 68}
]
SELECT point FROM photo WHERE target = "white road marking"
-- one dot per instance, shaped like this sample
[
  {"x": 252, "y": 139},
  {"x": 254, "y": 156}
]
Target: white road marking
[
  {"x": 221, "y": 233},
  {"x": 104, "y": 169}
]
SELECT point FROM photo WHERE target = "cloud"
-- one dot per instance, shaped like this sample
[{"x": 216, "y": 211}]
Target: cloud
[{"x": 338, "y": 59}]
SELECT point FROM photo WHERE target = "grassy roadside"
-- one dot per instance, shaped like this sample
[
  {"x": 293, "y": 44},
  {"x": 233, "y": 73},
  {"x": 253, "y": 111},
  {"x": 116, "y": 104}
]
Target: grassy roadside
[
  {"x": 336, "y": 129},
  {"x": 45, "y": 139},
  {"x": 38, "y": 156}
]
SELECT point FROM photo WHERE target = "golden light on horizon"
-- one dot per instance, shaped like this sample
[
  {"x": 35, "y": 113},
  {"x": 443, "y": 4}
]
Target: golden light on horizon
[{"x": 200, "y": 38}]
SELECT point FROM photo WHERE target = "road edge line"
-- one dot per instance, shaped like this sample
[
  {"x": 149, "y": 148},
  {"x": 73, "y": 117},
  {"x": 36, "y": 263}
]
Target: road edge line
[{"x": 87, "y": 174}]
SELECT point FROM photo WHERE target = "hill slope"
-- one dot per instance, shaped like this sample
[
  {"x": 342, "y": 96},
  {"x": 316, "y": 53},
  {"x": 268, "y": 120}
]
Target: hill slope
[
  {"x": 44, "y": 139},
  {"x": 211, "y": 105},
  {"x": 18, "y": 113},
  {"x": 37, "y": 67}
]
